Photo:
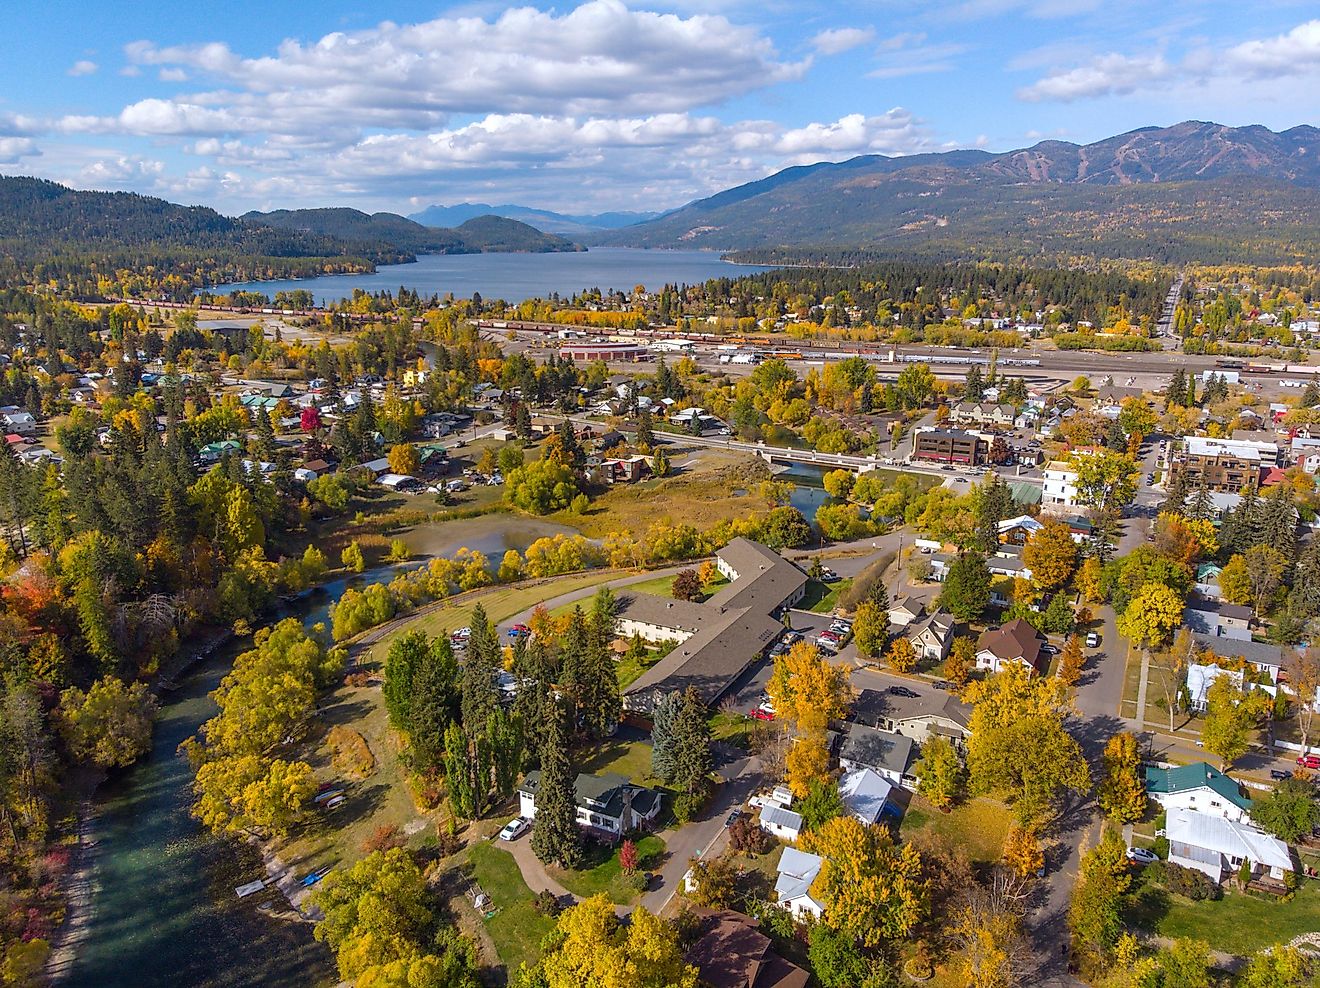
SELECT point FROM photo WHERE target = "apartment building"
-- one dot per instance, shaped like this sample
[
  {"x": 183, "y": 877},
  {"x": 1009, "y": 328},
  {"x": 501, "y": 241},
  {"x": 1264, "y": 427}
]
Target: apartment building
[{"x": 950, "y": 446}]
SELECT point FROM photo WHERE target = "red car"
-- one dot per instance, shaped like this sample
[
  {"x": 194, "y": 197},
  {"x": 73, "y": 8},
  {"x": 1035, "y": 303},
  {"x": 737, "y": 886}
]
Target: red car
[
  {"x": 1309, "y": 761},
  {"x": 760, "y": 714}
]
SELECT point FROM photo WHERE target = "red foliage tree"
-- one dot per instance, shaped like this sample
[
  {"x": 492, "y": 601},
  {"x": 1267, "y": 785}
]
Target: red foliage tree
[
  {"x": 628, "y": 857},
  {"x": 310, "y": 420}
]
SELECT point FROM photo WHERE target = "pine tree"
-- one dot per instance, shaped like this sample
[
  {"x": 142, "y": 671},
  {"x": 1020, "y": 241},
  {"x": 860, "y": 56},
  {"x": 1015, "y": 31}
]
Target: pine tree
[
  {"x": 645, "y": 433},
  {"x": 1201, "y": 506},
  {"x": 556, "y": 838},
  {"x": 1241, "y": 530},
  {"x": 1175, "y": 492},
  {"x": 664, "y": 714},
  {"x": 1176, "y": 392},
  {"x": 975, "y": 387},
  {"x": 504, "y": 740},
  {"x": 1311, "y": 396}
]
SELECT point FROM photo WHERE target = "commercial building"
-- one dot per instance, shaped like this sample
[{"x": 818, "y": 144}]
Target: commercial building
[
  {"x": 1225, "y": 464},
  {"x": 949, "y": 446},
  {"x": 608, "y": 352}
]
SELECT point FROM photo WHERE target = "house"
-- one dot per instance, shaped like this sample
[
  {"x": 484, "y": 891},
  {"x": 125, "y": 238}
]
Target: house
[
  {"x": 1019, "y": 530},
  {"x": 931, "y": 713},
  {"x": 1261, "y": 656},
  {"x": 720, "y": 639},
  {"x": 905, "y": 611},
  {"x": 20, "y": 423},
  {"x": 1216, "y": 618},
  {"x": 1058, "y": 486},
  {"x": 608, "y": 805},
  {"x": 869, "y": 796},
  {"x": 732, "y": 952},
  {"x": 783, "y": 823},
  {"x": 1007, "y": 561},
  {"x": 625, "y": 469},
  {"x": 1200, "y": 677},
  {"x": 1109, "y": 395},
  {"x": 1200, "y": 787},
  {"x": 378, "y": 466},
  {"x": 797, "y": 870},
  {"x": 1016, "y": 641},
  {"x": 932, "y": 636},
  {"x": 1217, "y": 847},
  {"x": 213, "y": 452},
  {"x": 398, "y": 481},
  {"x": 983, "y": 413},
  {"x": 693, "y": 418},
  {"x": 888, "y": 755}
]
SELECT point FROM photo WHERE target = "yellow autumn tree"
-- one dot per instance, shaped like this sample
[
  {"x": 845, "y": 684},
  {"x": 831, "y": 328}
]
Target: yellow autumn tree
[
  {"x": 872, "y": 890},
  {"x": 596, "y": 950},
  {"x": 1051, "y": 555},
  {"x": 403, "y": 459},
  {"x": 902, "y": 656},
  {"x": 808, "y": 691},
  {"x": 1022, "y": 851}
]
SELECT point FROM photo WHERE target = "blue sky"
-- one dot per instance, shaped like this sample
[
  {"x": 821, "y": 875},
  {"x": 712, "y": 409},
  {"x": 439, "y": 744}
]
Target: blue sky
[{"x": 605, "y": 104}]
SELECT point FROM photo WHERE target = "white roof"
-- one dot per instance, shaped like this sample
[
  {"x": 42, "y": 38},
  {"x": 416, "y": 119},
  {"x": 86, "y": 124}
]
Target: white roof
[
  {"x": 865, "y": 793},
  {"x": 1247, "y": 449},
  {"x": 1229, "y": 838},
  {"x": 797, "y": 870},
  {"x": 1021, "y": 521},
  {"x": 395, "y": 479}
]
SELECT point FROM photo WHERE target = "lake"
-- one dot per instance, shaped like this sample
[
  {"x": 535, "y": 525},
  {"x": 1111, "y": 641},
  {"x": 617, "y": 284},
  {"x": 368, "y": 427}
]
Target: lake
[{"x": 515, "y": 277}]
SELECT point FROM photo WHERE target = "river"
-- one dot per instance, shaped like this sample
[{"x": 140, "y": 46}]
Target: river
[
  {"x": 515, "y": 277},
  {"x": 164, "y": 912}
]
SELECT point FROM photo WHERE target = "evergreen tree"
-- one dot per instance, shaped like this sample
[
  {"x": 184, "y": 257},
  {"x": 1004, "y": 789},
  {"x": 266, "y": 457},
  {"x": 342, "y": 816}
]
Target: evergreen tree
[
  {"x": 664, "y": 714},
  {"x": 1278, "y": 522},
  {"x": 1175, "y": 492},
  {"x": 1241, "y": 529},
  {"x": 556, "y": 838},
  {"x": 477, "y": 685},
  {"x": 1202, "y": 506},
  {"x": 572, "y": 448},
  {"x": 1176, "y": 392},
  {"x": 1311, "y": 396},
  {"x": 645, "y": 430},
  {"x": 692, "y": 755},
  {"x": 878, "y": 594},
  {"x": 433, "y": 706},
  {"x": 504, "y": 740},
  {"x": 975, "y": 386}
]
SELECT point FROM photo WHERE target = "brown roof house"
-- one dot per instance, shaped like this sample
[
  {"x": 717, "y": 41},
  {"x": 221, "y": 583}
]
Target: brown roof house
[
  {"x": 732, "y": 952},
  {"x": 1016, "y": 641}
]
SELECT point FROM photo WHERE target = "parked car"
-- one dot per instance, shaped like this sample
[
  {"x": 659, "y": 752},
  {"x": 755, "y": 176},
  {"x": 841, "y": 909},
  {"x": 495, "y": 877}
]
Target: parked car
[
  {"x": 732, "y": 818},
  {"x": 1049, "y": 649},
  {"x": 1092, "y": 639},
  {"x": 832, "y": 636},
  {"x": 1139, "y": 855},
  {"x": 904, "y": 691},
  {"x": 514, "y": 829},
  {"x": 942, "y": 684},
  {"x": 760, "y": 714},
  {"x": 1278, "y": 774},
  {"x": 1309, "y": 761}
]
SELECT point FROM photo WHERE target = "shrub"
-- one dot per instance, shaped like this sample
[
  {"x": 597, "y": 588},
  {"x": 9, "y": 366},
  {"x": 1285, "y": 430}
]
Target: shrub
[
  {"x": 1188, "y": 882},
  {"x": 687, "y": 806},
  {"x": 349, "y": 753},
  {"x": 384, "y": 837},
  {"x": 746, "y": 835},
  {"x": 547, "y": 903}
]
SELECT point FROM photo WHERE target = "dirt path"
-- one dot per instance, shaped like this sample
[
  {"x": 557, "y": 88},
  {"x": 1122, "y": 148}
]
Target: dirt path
[{"x": 81, "y": 892}]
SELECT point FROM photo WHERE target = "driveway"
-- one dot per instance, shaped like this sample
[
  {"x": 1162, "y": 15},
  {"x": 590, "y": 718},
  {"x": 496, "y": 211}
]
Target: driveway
[{"x": 707, "y": 836}]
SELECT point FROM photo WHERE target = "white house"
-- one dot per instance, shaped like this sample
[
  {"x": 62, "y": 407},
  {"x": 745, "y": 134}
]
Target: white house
[
  {"x": 783, "y": 823},
  {"x": 1200, "y": 787},
  {"x": 797, "y": 870},
  {"x": 20, "y": 423},
  {"x": 868, "y": 795},
  {"x": 1059, "y": 486},
  {"x": 1201, "y": 677},
  {"x": 1217, "y": 847},
  {"x": 608, "y": 804},
  {"x": 932, "y": 636}
]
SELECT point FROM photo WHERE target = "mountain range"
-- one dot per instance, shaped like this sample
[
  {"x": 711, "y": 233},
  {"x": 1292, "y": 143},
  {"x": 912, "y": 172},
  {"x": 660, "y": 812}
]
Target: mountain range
[
  {"x": 480, "y": 233},
  {"x": 564, "y": 224},
  {"x": 1193, "y": 191}
]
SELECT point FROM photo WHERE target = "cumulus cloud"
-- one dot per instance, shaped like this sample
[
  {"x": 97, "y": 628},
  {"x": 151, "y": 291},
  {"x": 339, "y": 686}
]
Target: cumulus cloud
[
  {"x": 82, "y": 67},
  {"x": 600, "y": 57},
  {"x": 841, "y": 39},
  {"x": 1112, "y": 74},
  {"x": 14, "y": 148},
  {"x": 1293, "y": 53}
]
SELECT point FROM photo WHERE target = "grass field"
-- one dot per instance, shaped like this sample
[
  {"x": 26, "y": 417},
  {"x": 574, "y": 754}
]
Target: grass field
[
  {"x": 708, "y": 486},
  {"x": 631, "y": 759},
  {"x": 382, "y": 799},
  {"x": 978, "y": 825},
  {"x": 1237, "y": 924},
  {"x": 821, "y": 598},
  {"x": 516, "y": 928},
  {"x": 500, "y": 604},
  {"x": 605, "y": 875}
]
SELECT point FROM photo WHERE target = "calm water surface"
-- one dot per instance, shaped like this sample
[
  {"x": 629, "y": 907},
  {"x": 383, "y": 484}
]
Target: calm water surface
[
  {"x": 515, "y": 277},
  {"x": 165, "y": 913}
]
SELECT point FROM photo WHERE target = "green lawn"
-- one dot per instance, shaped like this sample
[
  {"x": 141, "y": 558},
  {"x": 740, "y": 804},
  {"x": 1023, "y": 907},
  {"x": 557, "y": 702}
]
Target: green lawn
[
  {"x": 516, "y": 928},
  {"x": 1237, "y": 924},
  {"x": 731, "y": 728},
  {"x": 823, "y": 597},
  {"x": 629, "y": 670},
  {"x": 978, "y": 825},
  {"x": 604, "y": 874},
  {"x": 631, "y": 759},
  {"x": 500, "y": 604}
]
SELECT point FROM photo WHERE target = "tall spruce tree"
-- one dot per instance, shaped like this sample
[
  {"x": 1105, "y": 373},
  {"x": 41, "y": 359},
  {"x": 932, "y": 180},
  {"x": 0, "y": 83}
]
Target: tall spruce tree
[
  {"x": 477, "y": 684},
  {"x": 693, "y": 761},
  {"x": 556, "y": 838},
  {"x": 1175, "y": 493},
  {"x": 664, "y": 714}
]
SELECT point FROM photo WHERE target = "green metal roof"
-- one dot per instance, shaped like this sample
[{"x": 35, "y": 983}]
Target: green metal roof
[{"x": 1198, "y": 775}]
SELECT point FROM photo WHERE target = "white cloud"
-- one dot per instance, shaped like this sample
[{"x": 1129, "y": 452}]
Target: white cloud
[
  {"x": 840, "y": 39},
  {"x": 14, "y": 148},
  {"x": 82, "y": 67},
  {"x": 173, "y": 75},
  {"x": 1112, "y": 74},
  {"x": 1293, "y": 53},
  {"x": 598, "y": 58},
  {"x": 909, "y": 54}
]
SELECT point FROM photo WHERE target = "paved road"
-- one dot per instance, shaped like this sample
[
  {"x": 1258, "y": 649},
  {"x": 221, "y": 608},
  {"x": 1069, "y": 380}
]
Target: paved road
[{"x": 707, "y": 836}]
